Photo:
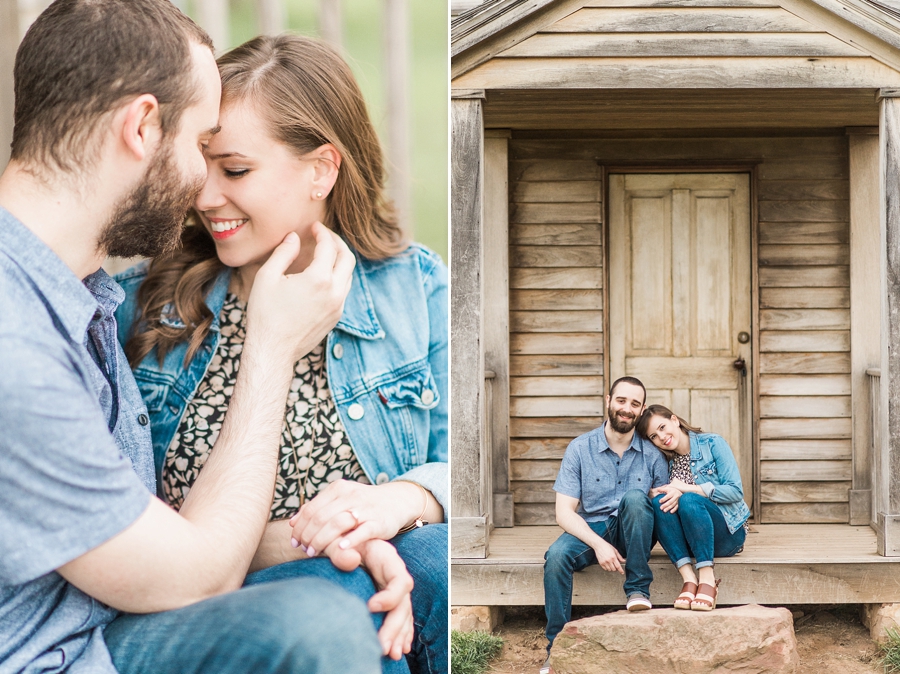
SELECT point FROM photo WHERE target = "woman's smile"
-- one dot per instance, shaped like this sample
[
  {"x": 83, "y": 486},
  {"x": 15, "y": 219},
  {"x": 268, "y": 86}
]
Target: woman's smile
[{"x": 223, "y": 228}]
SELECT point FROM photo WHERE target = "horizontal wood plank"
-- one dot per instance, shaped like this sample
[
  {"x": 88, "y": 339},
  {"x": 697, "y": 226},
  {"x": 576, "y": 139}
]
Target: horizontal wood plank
[
  {"x": 533, "y": 492},
  {"x": 555, "y": 256},
  {"x": 573, "y": 277},
  {"x": 681, "y": 20},
  {"x": 555, "y": 300},
  {"x": 550, "y": 213},
  {"x": 804, "y": 232},
  {"x": 556, "y": 365},
  {"x": 804, "y": 471},
  {"x": 804, "y": 341},
  {"x": 555, "y": 321},
  {"x": 556, "y": 235},
  {"x": 536, "y": 343},
  {"x": 552, "y": 427},
  {"x": 669, "y": 373},
  {"x": 556, "y": 386},
  {"x": 572, "y": 406},
  {"x": 818, "y": 210},
  {"x": 832, "y": 427},
  {"x": 556, "y": 192},
  {"x": 805, "y": 450},
  {"x": 804, "y": 385},
  {"x": 804, "y": 277},
  {"x": 538, "y": 448},
  {"x": 804, "y": 492},
  {"x": 788, "y": 190},
  {"x": 837, "y": 168},
  {"x": 804, "y": 319},
  {"x": 805, "y": 298},
  {"x": 801, "y": 255},
  {"x": 813, "y": 513},
  {"x": 523, "y": 469},
  {"x": 529, "y": 514},
  {"x": 553, "y": 169},
  {"x": 804, "y": 363},
  {"x": 804, "y": 407}
]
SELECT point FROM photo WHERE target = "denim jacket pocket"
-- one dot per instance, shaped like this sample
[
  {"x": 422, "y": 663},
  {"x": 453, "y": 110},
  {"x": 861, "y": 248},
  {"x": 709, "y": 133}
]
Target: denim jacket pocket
[
  {"x": 414, "y": 389},
  {"x": 154, "y": 395}
]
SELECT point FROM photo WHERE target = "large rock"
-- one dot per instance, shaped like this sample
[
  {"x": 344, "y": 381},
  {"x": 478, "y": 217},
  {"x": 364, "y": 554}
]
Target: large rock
[
  {"x": 745, "y": 639},
  {"x": 880, "y": 618}
]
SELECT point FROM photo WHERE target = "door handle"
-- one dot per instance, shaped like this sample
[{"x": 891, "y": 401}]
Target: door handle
[{"x": 741, "y": 366}]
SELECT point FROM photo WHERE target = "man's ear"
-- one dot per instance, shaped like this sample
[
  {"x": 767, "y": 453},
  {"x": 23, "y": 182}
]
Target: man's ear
[{"x": 141, "y": 126}]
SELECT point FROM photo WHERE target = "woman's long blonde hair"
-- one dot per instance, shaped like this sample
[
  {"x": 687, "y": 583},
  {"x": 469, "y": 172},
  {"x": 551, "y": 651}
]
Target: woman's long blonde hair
[
  {"x": 308, "y": 97},
  {"x": 653, "y": 410}
]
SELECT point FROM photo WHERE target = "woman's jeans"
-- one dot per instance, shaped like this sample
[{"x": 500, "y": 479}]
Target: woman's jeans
[
  {"x": 697, "y": 529},
  {"x": 630, "y": 532}
]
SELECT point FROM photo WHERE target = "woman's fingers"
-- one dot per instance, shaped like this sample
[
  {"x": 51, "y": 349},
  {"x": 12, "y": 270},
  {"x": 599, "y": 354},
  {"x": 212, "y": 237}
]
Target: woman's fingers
[
  {"x": 333, "y": 528},
  {"x": 364, "y": 532}
]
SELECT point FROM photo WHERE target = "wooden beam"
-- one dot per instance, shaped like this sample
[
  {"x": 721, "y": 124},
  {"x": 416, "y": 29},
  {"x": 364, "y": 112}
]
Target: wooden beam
[
  {"x": 865, "y": 310},
  {"x": 889, "y": 143},
  {"x": 496, "y": 315},
  {"x": 467, "y": 327},
  {"x": 270, "y": 16},
  {"x": 9, "y": 41}
]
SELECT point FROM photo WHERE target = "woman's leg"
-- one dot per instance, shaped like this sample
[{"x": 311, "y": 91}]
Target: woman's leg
[
  {"x": 706, "y": 531},
  {"x": 357, "y": 583},
  {"x": 669, "y": 531},
  {"x": 425, "y": 552}
]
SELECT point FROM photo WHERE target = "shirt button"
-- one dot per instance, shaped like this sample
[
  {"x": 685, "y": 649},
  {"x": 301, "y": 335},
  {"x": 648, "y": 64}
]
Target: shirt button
[
  {"x": 382, "y": 478},
  {"x": 98, "y": 315},
  {"x": 338, "y": 351},
  {"x": 143, "y": 420},
  {"x": 355, "y": 411},
  {"x": 427, "y": 396}
]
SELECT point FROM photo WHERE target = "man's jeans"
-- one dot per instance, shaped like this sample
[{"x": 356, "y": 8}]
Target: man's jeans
[
  {"x": 697, "y": 529},
  {"x": 630, "y": 532},
  {"x": 299, "y": 625}
]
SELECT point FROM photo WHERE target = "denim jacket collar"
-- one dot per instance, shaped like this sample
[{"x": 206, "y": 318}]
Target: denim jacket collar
[{"x": 358, "y": 319}]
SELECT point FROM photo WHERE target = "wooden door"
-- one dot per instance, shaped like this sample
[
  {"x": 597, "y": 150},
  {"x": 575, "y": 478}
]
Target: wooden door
[{"x": 679, "y": 298}]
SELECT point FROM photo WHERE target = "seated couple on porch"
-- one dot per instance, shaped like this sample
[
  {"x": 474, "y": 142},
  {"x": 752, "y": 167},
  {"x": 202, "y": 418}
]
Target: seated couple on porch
[{"x": 619, "y": 490}]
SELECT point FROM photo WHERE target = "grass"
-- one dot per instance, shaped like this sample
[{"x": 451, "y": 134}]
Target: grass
[
  {"x": 470, "y": 652},
  {"x": 890, "y": 652}
]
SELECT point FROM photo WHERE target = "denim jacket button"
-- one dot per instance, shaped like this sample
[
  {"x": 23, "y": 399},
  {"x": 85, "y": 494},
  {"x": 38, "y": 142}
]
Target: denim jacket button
[
  {"x": 382, "y": 478},
  {"x": 355, "y": 411},
  {"x": 338, "y": 351},
  {"x": 427, "y": 396}
]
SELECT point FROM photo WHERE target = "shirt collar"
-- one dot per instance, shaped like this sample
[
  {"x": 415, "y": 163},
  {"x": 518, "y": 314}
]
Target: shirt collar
[
  {"x": 637, "y": 444},
  {"x": 70, "y": 299},
  {"x": 359, "y": 317}
]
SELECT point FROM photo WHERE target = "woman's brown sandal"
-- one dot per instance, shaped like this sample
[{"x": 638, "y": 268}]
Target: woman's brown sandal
[
  {"x": 706, "y": 597},
  {"x": 688, "y": 592}
]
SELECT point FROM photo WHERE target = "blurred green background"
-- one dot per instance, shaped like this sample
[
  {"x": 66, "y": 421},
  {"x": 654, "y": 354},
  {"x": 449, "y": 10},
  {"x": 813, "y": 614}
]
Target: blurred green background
[{"x": 428, "y": 83}]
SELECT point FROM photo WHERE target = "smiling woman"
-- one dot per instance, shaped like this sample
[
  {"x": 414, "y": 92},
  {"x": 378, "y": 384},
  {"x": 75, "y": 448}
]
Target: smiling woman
[{"x": 364, "y": 440}]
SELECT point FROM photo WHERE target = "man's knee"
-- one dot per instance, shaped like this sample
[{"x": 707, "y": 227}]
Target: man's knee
[
  {"x": 560, "y": 558},
  {"x": 635, "y": 501}
]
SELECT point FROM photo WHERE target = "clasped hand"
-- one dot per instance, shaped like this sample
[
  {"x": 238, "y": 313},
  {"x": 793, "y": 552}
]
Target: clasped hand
[{"x": 673, "y": 492}]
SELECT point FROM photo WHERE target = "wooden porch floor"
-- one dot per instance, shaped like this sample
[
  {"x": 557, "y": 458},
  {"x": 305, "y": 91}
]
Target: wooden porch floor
[{"x": 780, "y": 564}]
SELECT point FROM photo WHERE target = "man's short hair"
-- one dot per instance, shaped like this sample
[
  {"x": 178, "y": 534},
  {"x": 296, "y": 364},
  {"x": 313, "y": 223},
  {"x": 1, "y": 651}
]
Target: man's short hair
[
  {"x": 634, "y": 381},
  {"x": 82, "y": 58}
]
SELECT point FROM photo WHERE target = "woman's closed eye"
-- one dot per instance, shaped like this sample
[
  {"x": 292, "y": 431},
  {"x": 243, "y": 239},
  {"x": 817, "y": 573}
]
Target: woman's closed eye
[{"x": 235, "y": 173}]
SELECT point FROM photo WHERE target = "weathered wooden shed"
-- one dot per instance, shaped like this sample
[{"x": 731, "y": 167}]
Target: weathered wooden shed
[{"x": 704, "y": 194}]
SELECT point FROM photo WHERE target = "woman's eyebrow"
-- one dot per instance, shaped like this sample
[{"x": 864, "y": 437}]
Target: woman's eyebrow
[{"x": 226, "y": 155}]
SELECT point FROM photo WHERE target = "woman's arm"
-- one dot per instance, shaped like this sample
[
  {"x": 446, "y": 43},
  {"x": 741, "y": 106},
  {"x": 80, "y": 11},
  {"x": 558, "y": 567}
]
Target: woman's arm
[{"x": 730, "y": 489}]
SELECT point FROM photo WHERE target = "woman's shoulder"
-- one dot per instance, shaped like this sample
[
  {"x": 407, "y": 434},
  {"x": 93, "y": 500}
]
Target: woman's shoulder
[
  {"x": 415, "y": 255},
  {"x": 416, "y": 264}
]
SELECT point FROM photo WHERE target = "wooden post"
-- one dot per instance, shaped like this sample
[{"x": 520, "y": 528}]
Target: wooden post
[
  {"x": 330, "y": 21},
  {"x": 396, "y": 60},
  {"x": 496, "y": 314},
  {"x": 888, "y": 522},
  {"x": 865, "y": 309},
  {"x": 270, "y": 16},
  {"x": 212, "y": 15},
  {"x": 469, "y": 512},
  {"x": 9, "y": 41}
]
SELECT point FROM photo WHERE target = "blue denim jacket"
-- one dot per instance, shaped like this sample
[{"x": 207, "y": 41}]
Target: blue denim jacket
[
  {"x": 716, "y": 473},
  {"x": 387, "y": 354}
]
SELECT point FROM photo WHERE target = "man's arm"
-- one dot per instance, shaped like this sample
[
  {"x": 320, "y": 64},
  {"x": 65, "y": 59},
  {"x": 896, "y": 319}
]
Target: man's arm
[
  {"x": 568, "y": 518},
  {"x": 167, "y": 560}
]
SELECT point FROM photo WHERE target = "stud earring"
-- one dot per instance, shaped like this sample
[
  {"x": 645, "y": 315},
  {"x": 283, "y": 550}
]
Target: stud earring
[{"x": 318, "y": 195}]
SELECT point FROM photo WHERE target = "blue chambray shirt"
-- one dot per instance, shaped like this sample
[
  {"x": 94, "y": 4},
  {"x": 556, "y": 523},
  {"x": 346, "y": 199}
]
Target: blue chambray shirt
[
  {"x": 76, "y": 463},
  {"x": 594, "y": 473}
]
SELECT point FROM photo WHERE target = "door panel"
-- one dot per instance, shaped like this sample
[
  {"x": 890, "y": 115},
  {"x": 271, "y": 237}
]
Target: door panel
[{"x": 680, "y": 294}]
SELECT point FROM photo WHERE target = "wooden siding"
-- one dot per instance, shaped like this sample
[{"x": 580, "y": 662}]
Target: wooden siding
[{"x": 557, "y": 307}]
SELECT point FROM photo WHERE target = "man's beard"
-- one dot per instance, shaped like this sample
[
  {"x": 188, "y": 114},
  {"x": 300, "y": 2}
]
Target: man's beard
[
  {"x": 622, "y": 425},
  {"x": 149, "y": 221}
]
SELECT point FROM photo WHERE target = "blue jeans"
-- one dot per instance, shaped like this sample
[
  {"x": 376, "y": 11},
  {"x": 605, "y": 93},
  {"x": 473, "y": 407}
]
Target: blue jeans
[
  {"x": 630, "y": 532},
  {"x": 697, "y": 529},
  {"x": 285, "y": 627},
  {"x": 424, "y": 551}
]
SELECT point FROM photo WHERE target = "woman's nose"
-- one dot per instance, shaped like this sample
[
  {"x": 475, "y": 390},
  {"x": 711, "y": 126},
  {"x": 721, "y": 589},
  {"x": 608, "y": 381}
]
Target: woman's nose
[{"x": 211, "y": 196}]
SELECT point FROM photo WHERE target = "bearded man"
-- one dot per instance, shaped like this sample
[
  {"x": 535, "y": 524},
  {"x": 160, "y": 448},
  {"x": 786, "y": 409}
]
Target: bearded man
[
  {"x": 114, "y": 103},
  {"x": 603, "y": 507}
]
